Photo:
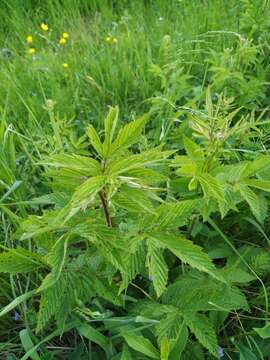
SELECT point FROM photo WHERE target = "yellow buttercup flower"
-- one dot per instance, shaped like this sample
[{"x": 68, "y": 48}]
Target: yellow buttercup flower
[
  {"x": 114, "y": 40},
  {"x": 32, "y": 51},
  {"x": 65, "y": 35},
  {"x": 44, "y": 27},
  {"x": 62, "y": 41},
  {"x": 108, "y": 38},
  {"x": 29, "y": 39},
  {"x": 65, "y": 65}
]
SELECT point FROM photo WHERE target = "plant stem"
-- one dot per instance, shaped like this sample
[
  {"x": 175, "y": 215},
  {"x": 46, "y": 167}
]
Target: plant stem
[{"x": 104, "y": 201}]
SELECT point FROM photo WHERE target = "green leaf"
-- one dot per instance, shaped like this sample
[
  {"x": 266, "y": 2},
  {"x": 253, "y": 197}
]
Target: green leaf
[
  {"x": 178, "y": 345},
  {"x": 142, "y": 345},
  {"x": 245, "y": 353},
  {"x": 126, "y": 355},
  {"x": 17, "y": 301},
  {"x": 252, "y": 199},
  {"x": 202, "y": 328},
  {"x": 19, "y": 261},
  {"x": 172, "y": 214},
  {"x": 262, "y": 162},
  {"x": 28, "y": 344},
  {"x": 194, "y": 151},
  {"x": 258, "y": 184},
  {"x": 50, "y": 302},
  {"x": 164, "y": 349},
  {"x": 110, "y": 123},
  {"x": 146, "y": 158},
  {"x": 94, "y": 139},
  {"x": 264, "y": 332},
  {"x": 170, "y": 326},
  {"x": 129, "y": 134},
  {"x": 84, "y": 165},
  {"x": 158, "y": 269},
  {"x": 86, "y": 193},
  {"x": 186, "y": 251},
  {"x": 199, "y": 292},
  {"x": 133, "y": 199},
  {"x": 211, "y": 187},
  {"x": 56, "y": 259},
  {"x": 94, "y": 335}
]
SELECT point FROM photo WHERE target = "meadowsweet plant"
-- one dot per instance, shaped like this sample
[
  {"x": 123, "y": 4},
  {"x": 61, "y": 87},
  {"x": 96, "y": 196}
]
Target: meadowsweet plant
[
  {"x": 137, "y": 231},
  {"x": 111, "y": 234}
]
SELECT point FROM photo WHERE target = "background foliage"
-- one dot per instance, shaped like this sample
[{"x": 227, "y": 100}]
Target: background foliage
[{"x": 134, "y": 180}]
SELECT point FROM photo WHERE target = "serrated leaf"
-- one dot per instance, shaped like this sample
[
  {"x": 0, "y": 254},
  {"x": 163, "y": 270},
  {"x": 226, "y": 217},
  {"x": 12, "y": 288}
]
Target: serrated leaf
[
  {"x": 19, "y": 261},
  {"x": 146, "y": 158},
  {"x": 85, "y": 193},
  {"x": 56, "y": 259},
  {"x": 142, "y": 345},
  {"x": 201, "y": 293},
  {"x": 194, "y": 151},
  {"x": 158, "y": 269},
  {"x": 94, "y": 139},
  {"x": 252, "y": 199},
  {"x": 258, "y": 184},
  {"x": 133, "y": 199},
  {"x": 172, "y": 214},
  {"x": 129, "y": 134},
  {"x": 212, "y": 187},
  {"x": 186, "y": 251},
  {"x": 203, "y": 330},
  {"x": 110, "y": 123},
  {"x": 170, "y": 326},
  {"x": 85, "y": 165},
  {"x": 50, "y": 302}
]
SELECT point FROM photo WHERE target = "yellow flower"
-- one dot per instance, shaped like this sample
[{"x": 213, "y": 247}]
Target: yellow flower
[
  {"x": 114, "y": 40},
  {"x": 31, "y": 51},
  {"x": 44, "y": 27},
  {"x": 108, "y": 38},
  {"x": 65, "y": 35},
  {"x": 29, "y": 39},
  {"x": 65, "y": 65},
  {"x": 62, "y": 41}
]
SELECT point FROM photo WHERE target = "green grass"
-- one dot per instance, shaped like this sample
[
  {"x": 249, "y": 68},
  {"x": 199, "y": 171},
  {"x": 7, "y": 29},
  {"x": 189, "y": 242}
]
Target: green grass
[{"x": 165, "y": 57}]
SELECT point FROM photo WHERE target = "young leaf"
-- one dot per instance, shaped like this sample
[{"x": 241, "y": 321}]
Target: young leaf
[
  {"x": 95, "y": 140},
  {"x": 86, "y": 192},
  {"x": 211, "y": 187},
  {"x": 194, "y": 151},
  {"x": 84, "y": 165},
  {"x": 136, "y": 161},
  {"x": 129, "y": 134},
  {"x": 110, "y": 123}
]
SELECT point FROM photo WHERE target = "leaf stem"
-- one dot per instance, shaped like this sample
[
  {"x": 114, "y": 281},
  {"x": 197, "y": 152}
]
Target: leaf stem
[{"x": 104, "y": 201}]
